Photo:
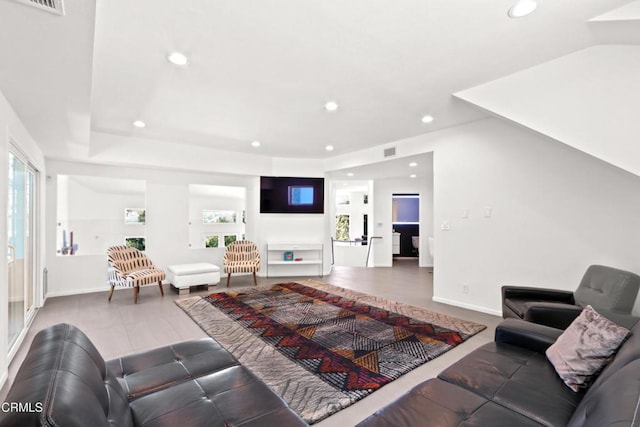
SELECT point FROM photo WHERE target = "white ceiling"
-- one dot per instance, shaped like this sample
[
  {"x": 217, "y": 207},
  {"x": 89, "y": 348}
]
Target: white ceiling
[
  {"x": 263, "y": 71},
  {"x": 595, "y": 110}
]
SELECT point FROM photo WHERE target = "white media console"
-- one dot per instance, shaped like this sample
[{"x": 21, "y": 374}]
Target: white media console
[{"x": 307, "y": 259}]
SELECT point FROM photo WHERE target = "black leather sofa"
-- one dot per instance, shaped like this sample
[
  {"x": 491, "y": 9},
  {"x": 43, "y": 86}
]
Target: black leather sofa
[
  {"x": 64, "y": 381},
  {"x": 510, "y": 383}
]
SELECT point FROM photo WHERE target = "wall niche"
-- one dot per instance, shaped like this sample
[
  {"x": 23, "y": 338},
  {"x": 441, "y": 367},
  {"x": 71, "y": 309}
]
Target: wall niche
[
  {"x": 99, "y": 212},
  {"x": 216, "y": 215}
]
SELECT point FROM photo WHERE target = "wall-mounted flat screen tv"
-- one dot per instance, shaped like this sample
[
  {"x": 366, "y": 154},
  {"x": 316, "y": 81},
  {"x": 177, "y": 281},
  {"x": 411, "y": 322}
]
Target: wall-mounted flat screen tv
[{"x": 280, "y": 194}]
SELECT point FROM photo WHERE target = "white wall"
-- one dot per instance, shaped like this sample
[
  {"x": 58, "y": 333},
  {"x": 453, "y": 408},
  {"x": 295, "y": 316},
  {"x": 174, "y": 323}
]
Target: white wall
[
  {"x": 12, "y": 129},
  {"x": 168, "y": 203},
  {"x": 382, "y": 225},
  {"x": 287, "y": 228},
  {"x": 554, "y": 212},
  {"x": 167, "y": 223}
]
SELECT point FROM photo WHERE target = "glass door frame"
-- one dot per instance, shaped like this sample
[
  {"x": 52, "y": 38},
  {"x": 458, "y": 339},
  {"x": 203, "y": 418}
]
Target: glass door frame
[{"x": 32, "y": 212}]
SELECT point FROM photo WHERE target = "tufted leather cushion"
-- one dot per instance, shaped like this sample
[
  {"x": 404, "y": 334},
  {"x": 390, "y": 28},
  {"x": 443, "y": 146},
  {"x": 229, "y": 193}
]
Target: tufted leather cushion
[
  {"x": 195, "y": 383},
  {"x": 64, "y": 371},
  {"x": 615, "y": 403},
  {"x": 510, "y": 383},
  {"x": 608, "y": 288},
  {"x": 230, "y": 397},
  {"x": 143, "y": 373},
  {"x": 518, "y": 379},
  {"x": 438, "y": 403}
]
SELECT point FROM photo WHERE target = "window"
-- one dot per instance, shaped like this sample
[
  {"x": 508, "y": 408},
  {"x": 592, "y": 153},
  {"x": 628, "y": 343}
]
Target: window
[
  {"x": 215, "y": 240},
  {"x": 136, "y": 242},
  {"x": 134, "y": 216},
  {"x": 211, "y": 242},
  {"x": 218, "y": 217},
  {"x": 342, "y": 227},
  {"x": 343, "y": 199}
]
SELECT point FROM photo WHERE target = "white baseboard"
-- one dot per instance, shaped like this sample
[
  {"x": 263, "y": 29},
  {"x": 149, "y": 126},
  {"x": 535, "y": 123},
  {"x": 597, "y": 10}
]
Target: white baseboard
[
  {"x": 468, "y": 306},
  {"x": 79, "y": 291}
]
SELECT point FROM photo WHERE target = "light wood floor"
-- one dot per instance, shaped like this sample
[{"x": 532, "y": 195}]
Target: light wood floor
[{"x": 120, "y": 327}]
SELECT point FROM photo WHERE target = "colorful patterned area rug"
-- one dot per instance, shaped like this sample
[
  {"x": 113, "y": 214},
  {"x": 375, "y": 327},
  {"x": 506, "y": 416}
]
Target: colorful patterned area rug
[{"x": 322, "y": 347}]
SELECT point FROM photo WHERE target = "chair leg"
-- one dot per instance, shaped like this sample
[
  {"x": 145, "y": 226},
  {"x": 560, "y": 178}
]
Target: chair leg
[
  {"x": 111, "y": 293},
  {"x": 228, "y": 278},
  {"x": 255, "y": 282},
  {"x": 161, "y": 290},
  {"x": 136, "y": 289}
]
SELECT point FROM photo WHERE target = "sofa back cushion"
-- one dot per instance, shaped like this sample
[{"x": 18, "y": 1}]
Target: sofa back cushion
[
  {"x": 614, "y": 403},
  {"x": 63, "y": 381},
  {"x": 615, "y": 394},
  {"x": 627, "y": 353},
  {"x": 608, "y": 288}
]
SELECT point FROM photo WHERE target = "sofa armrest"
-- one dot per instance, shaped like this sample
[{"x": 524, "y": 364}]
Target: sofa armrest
[
  {"x": 555, "y": 315},
  {"x": 526, "y": 292},
  {"x": 526, "y": 334}
]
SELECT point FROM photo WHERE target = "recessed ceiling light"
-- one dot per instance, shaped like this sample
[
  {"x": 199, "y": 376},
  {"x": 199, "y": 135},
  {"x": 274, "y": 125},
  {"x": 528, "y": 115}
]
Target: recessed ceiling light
[
  {"x": 522, "y": 8},
  {"x": 413, "y": 164},
  {"x": 177, "y": 58},
  {"x": 331, "y": 106},
  {"x": 329, "y": 148},
  {"x": 413, "y": 175},
  {"x": 427, "y": 119},
  {"x": 255, "y": 144},
  {"x": 139, "y": 124},
  {"x": 350, "y": 174}
]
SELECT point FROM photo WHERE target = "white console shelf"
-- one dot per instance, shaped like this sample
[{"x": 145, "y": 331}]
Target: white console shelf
[{"x": 308, "y": 254}]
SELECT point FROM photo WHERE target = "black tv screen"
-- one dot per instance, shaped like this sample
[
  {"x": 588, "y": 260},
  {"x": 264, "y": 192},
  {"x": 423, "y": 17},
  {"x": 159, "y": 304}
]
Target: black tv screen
[{"x": 280, "y": 194}]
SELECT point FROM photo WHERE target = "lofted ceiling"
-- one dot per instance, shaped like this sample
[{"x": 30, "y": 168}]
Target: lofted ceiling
[{"x": 264, "y": 70}]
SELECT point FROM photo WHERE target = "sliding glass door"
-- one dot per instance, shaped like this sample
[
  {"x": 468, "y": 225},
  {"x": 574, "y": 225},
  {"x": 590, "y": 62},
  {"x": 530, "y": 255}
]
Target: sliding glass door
[{"x": 21, "y": 244}]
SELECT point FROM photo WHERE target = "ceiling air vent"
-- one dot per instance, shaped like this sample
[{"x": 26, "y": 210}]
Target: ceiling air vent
[
  {"x": 53, "y": 6},
  {"x": 388, "y": 152}
]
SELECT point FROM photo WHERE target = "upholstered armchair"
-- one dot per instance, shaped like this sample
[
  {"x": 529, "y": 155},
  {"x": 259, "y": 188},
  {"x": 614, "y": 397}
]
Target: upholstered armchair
[
  {"x": 242, "y": 257},
  {"x": 609, "y": 290},
  {"x": 130, "y": 268}
]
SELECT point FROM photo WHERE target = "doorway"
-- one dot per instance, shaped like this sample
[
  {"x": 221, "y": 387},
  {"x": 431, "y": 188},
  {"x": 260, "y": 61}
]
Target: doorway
[
  {"x": 405, "y": 238},
  {"x": 22, "y": 240}
]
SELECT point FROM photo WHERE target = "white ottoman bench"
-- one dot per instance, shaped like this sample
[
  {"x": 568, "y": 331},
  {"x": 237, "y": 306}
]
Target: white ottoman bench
[{"x": 183, "y": 276}]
